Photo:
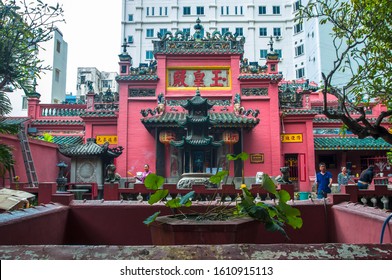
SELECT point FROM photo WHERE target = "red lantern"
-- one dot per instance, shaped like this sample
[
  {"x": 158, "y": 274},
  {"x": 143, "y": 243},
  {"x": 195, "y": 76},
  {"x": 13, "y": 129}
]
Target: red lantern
[
  {"x": 166, "y": 136},
  {"x": 231, "y": 137}
]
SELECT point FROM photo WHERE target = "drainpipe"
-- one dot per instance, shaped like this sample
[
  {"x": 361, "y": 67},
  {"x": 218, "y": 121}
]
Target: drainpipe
[{"x": 383, "y": 228}]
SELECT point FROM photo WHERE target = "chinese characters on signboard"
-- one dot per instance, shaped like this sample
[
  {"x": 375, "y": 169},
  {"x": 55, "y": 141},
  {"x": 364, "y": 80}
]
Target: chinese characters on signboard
[
  {"x": 291, "y": 138},
  {"x": 182, "y": 78},
  {"x": 257, "y": 158},
  {"x": 102, "y": 139}
]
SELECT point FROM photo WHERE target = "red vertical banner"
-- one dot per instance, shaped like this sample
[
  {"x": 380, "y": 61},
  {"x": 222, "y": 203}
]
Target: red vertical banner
[{"x": 302, "y": 167}]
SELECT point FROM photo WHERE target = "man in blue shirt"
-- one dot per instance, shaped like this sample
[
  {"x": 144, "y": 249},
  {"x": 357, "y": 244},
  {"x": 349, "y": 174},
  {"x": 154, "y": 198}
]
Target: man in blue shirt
[{"x": 324, "y": 181}]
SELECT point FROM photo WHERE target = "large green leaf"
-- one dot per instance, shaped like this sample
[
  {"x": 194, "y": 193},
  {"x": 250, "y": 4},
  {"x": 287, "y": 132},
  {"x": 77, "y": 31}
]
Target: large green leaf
[
  {"x": 174, "y": 203},
  {"x": 158, "y": 196},
  {"x": 153, "y": 181},
  {"x": 268, "y": 184},
  {"x": 152, "y": 218},
  {"x": 218, "y": 177},
  {"x": 283, "y": 196},
  {"x": 187, "y": 198},
  {"x": 242, "y": 156}
]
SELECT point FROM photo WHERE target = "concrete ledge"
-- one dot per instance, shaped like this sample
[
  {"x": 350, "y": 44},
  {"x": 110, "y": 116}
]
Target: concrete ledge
[{"x": 332, "y": 251}]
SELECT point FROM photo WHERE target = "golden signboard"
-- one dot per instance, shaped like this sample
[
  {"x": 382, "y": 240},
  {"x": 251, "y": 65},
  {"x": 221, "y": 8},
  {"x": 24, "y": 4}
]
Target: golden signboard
[
  {"x": 102, "y": 139},
  {"x": 256, "y": 158},
  {"x": 207, "y": 77},
  {"x": 291, "y": 138}
]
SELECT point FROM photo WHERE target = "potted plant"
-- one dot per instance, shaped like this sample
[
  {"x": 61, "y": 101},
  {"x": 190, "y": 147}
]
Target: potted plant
[
  {"x": 219, "y": 222},
  {"x": 381, "y": 165}
]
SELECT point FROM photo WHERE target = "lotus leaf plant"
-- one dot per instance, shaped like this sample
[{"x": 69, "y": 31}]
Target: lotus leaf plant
[{"x": 274, "y": 214}]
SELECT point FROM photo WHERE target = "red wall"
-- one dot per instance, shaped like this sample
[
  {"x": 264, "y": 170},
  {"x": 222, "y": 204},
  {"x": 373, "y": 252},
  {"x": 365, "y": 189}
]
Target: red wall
[
  {"x": 34, "y": 226},
  {"x": 121, "y": 223},
  {"x": 355, "y": 223},
  {"x": 45, "y": 157}
]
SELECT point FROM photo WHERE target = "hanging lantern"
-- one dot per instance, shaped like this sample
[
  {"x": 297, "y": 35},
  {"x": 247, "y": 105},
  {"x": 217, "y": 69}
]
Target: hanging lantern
[
  {"x": 231, "y": 137},
  {"x": 166, "y": 136}
]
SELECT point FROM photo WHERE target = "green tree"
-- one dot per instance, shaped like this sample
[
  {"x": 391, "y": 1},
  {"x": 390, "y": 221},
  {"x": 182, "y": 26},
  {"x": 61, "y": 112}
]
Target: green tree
[
  {"x": 362, "y": 38},
  {"x": 6, "y": 157},
  {"x": 24, "y": 26}
]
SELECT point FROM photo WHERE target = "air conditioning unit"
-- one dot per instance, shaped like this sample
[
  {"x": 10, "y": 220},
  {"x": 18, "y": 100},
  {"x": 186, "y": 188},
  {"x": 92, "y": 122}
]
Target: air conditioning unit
[{"x": 278, "y": 38}]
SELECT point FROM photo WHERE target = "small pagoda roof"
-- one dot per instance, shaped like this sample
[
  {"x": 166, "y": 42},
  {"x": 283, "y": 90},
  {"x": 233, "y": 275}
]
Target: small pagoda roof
[
  {"x": 204, "y": 142},
  {"x": 349, "y": 143},
  {"x": 197, "y": 101},
  {"x": 90, "y": 149},
  {"x": 220, "y": 120}
]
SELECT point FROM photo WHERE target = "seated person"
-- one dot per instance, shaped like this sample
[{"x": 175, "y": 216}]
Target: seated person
[{"x": 366, "y": 177}]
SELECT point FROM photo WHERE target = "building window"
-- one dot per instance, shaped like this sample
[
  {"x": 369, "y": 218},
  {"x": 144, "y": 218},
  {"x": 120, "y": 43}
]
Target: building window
[
  {"x": 153, "y": 11},
  {"x": 24, "y": 103},
  {"x": 277, "y": 31},
  {"x": 186, "y": 11},
  {"x": 263, "y": 53},
  {"x": 238, "y": 10},
  {"x": 276, "y": 10},
  {"x": 300, "y": 73},
  {"x": 224, "y": 30},
  {"x": 150, "y": 32},
  {"x": 162, "y": 31},
  {"x": 262, "y": 10},
  {"x": 298, "y": 28},
  {"x": 149, "y": 55},
  {"x": 106, "y": 83},
  {"x": 299, "y": 50},
  {"x": 222, "y": 10},
  {"x": 123, "y": 69},
  {"x": 82, "y": 79},
  {"x": 200, "y": 10},
  {"x": 296, "y": 5},
  {"x": 262, "y": 31},
  {"x": 279, "y": 52},
  {"x": 165, "y": 11},
  {"x": 160, "y": 11},
  {"x": 239, "y": 31},
  {"x": 57, "y": 75},
  {"x": 148, "y": 11},
  {"x": 186, "y": 31},
  {"x": 58, "y": 46},
  {"x": 130, "y": 39},
  {"x": 130, "y": 17}
]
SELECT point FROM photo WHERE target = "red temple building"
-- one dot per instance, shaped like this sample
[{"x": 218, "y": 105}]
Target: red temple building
[{"x": 182, "y": 113}]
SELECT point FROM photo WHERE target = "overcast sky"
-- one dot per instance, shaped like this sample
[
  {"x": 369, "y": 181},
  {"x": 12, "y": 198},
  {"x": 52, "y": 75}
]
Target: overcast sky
[{"x": 92, "y": 31}]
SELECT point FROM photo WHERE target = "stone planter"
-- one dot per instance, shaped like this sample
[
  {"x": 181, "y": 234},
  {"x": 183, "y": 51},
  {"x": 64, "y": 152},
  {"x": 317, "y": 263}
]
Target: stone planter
[{"x": 167, "y": 230}]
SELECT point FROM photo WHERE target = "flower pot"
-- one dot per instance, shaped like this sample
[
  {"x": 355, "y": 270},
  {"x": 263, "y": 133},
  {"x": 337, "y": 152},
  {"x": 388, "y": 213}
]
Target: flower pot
[
  {"x": 303, "y": 195},
  {"x": 168, "y": 230}
]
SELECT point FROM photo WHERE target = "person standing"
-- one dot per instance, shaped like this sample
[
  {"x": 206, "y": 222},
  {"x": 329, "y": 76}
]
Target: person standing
[
  {"x": 343, "y": 178},
  {"x": 324, "y": 181},
  {"x": 366, "y": 178},
  {"x": 145, "y": 173}
]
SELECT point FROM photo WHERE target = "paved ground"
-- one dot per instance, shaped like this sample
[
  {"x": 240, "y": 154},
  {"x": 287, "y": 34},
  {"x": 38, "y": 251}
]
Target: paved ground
[{"x": 200, "y": 252}]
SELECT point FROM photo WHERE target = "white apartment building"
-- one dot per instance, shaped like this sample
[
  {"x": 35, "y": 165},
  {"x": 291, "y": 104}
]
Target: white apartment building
[
  {"x": 51, "y": 84},
  {"x": 305, "y": 49},
  {"x": 100, "y": 81}
]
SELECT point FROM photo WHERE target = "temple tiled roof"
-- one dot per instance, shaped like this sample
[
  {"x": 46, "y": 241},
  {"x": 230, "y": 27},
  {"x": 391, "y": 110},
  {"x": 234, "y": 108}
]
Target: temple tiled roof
[
  {"x": 260, "y": 76},
  {"x": 327, "y": 120},
  {"x": 223, "y": 119},
  {"x": 66, "y": 140},
  {"x": 58, "y": 122},
  {"x": 297, "y": 111},
  {"x": 350, "y": 143},
  {"x": 199, "y": 51},
  {"x": 137, "y": 78},
  {"x": 13, "y": 120},
  {"x": 89, "y": 149},
  {"x": 98, "y": 114}
]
